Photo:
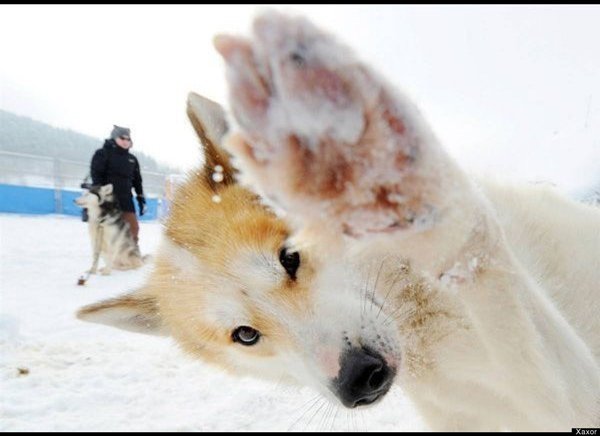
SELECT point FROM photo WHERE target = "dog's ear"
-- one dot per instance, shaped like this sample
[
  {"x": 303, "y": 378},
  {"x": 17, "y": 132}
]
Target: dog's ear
[
  {"x": 135, "y": 312},
  {"x": 209, "y": 122},
  {"x": 107, "y": 189}
]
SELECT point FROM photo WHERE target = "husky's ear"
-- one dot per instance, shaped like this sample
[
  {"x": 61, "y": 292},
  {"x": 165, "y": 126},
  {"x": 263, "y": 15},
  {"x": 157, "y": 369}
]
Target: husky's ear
[
  {"x": 107, "y": 189},
  {"x": 209, "y": 122},
  {"x": 135, "y": 312}
]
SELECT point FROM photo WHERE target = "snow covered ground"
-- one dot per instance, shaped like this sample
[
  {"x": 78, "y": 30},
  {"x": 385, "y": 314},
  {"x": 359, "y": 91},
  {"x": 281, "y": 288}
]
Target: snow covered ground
[{"x": 61, "y": 374}]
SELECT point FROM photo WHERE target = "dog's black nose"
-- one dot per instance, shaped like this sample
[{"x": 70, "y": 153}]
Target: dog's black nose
[{"x": 364, "y": 377}]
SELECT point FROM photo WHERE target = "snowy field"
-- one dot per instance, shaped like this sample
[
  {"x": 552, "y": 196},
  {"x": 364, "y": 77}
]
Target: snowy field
[{"x": 61, "y": 374}]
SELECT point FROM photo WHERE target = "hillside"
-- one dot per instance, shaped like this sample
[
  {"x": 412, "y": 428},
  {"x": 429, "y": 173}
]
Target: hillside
[{"x": 24, "y": 135}]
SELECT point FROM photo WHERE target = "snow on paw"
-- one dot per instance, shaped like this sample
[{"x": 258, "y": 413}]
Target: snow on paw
[{"x": 326, "y": 136}]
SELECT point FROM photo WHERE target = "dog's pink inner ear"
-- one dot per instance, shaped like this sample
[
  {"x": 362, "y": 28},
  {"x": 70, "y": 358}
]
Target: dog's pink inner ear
[{"x": 132, "y": 312}]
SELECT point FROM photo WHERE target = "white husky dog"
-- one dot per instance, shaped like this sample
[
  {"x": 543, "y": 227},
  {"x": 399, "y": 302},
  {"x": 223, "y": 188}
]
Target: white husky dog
[
  {"x": 390, "y": 265},
  {"x": 109, "y": 232}
]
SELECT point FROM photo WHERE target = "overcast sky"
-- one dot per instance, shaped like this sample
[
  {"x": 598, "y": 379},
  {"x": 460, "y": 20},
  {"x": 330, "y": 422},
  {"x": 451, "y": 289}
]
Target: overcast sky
[{"x": 510, "y": 90}]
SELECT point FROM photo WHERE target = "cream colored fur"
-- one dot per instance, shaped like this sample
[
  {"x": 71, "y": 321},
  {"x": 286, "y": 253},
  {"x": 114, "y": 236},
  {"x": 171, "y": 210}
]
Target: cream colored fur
[{"x": 503, "y": 332}]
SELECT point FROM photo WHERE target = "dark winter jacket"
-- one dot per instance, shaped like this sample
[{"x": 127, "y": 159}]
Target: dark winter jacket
[{"x": 114, "y": 164}]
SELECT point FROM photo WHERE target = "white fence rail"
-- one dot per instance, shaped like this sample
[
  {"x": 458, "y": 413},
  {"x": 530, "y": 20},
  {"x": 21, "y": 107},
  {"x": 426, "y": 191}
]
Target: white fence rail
[{"x": 43, "y": 171}]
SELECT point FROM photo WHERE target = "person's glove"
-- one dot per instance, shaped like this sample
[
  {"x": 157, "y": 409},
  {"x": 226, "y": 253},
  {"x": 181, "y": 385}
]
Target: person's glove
[{"x": 142, "y": 204}]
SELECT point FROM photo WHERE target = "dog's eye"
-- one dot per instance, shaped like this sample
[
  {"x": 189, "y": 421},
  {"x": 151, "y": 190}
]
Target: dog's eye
[
  {"x": 245, "y": 335},
  {"x": 290, "y": 262}
]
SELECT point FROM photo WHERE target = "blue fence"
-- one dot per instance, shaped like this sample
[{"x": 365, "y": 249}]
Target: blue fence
[{"x": 30, "y": 200}]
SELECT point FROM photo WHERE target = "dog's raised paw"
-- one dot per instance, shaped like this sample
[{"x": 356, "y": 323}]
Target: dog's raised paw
[{"x": 323, "y": 135}]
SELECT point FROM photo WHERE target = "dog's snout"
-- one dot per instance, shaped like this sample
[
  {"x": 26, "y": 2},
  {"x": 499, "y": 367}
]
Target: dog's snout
[{"x": 364, "y": 377}]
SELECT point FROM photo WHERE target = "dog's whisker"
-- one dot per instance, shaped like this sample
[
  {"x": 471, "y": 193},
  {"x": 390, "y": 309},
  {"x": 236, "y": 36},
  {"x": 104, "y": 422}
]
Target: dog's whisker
[
  {"x": 404, "y": 316},
  {"x": 322, "y": 403},
  {"x": 391, "y": 288},
  {"x": 348, "y": 420},
  {"x": 337, "y": 410},
  {"x": 321, "y": 416},
  {"x": 310, "y": 403},
  {"x": 325, "y": 417},
  {"x": 401, "y": 319},
  {"x": 353, "y": 418},
  {"x": 311, "y": 400},
  {"x": 366, "y": 288},
  {"x": 391, "y": 315},
  {"x": 330, "y": 415},
  {"x": 376, "y": 282},
  {"x": 364, "y": 422}
]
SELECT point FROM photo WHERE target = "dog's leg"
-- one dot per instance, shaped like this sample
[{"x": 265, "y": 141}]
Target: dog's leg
[
  {"x": 112, "y": 261},
  {"x": 108, "y": 255},
  {"x": 330, "y": 142},
  {"x": 96, "y": 244}
]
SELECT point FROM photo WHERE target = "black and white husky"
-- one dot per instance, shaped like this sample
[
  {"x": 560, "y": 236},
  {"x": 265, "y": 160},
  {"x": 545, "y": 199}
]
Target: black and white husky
[{"x": 109, "y": 233}]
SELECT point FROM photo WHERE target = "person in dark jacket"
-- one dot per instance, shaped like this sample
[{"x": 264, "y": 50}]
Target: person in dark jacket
[{"x": 113, "y": 163}]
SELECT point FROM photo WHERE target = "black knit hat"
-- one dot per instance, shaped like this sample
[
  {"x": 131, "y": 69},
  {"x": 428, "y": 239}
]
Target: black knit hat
[{"x": 120, "y": 131}]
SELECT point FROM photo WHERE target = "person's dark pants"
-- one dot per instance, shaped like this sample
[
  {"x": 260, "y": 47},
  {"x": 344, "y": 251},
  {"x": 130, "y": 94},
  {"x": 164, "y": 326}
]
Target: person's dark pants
[{"x": 134, "y": 227}]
